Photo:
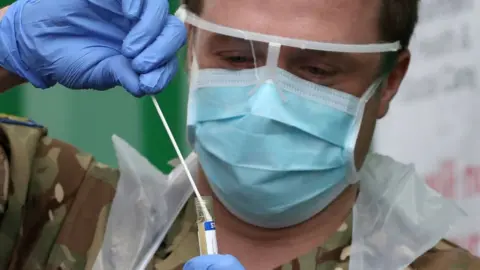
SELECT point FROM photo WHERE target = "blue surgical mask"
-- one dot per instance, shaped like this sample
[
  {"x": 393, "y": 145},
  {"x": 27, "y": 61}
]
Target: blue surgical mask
[{"x": 277, "y": 152}]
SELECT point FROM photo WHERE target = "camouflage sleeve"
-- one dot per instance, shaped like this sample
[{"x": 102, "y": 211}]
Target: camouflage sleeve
[
  {"x": 447, "y": 256},
  {"x": 65, "y": 210}
]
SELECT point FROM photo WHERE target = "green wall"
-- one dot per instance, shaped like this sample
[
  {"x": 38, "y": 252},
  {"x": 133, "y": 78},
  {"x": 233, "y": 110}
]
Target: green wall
[{"x": 88, "y": 119}]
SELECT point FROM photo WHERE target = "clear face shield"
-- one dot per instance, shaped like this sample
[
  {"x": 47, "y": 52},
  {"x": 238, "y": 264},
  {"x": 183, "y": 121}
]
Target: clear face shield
[{"x": 293, "y": 81}]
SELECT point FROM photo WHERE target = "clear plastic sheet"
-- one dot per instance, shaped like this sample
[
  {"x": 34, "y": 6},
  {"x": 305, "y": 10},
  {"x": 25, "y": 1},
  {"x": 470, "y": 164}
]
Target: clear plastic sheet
[
  {"x": 397, "y": 217},
  {"x": 145, "y": 206}
]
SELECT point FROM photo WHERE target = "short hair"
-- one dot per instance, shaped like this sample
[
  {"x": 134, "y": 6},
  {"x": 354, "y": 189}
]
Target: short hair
[{"x": 398, "y": 18}]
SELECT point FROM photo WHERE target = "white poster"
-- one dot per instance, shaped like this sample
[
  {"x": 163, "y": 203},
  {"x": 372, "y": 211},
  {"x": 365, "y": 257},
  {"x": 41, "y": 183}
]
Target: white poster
[{"x": 434, "y": 121}]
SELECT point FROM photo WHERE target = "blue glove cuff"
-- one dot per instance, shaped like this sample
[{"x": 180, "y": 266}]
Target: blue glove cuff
[{"x": 10, "y": 57}]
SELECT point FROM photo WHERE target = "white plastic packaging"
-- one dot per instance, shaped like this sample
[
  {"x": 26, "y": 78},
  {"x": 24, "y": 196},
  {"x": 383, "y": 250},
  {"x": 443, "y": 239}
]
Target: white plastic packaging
[
  {"x": 397, "y": 216},
  {"x": 143, "y": 210}
]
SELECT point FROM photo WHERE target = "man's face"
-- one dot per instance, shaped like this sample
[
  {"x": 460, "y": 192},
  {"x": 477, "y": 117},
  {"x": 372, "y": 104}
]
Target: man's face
[{"x": 335, "y": 21}]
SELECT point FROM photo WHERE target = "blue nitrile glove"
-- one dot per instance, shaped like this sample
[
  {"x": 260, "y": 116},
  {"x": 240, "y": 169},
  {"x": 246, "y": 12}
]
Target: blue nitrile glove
[
  {"x": 95, "y": 44},
  {"x": 213, "y": 262}
]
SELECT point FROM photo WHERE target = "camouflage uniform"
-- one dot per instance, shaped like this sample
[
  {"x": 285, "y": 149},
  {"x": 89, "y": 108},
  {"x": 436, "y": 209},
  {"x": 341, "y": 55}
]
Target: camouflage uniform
[
  {"x": 54, "y": 204},
  {"x": 181, "y": 244},
  {"x": 54, "y": 200}
]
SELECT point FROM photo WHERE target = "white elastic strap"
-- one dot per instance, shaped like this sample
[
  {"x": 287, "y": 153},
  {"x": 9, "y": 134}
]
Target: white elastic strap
[
  {"x": 355, "y": 129},
  {"x": 272, "y": 61},
  {"x": 182, "y": 13},
  {"x": 188, "y": 17},
  {"x": 205, "y": 211},
  {"x": 396, "y": 217}
]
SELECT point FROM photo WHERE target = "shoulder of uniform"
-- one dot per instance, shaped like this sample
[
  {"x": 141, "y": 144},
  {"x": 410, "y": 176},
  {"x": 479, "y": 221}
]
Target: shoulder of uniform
[
  {"x": 77, "y": 192},
  {"x": 11, "y": 141},
  {"x": 446, "y": 245},
  {"x": 19, "y": 121},
  {"x": 447, "y": 255}
]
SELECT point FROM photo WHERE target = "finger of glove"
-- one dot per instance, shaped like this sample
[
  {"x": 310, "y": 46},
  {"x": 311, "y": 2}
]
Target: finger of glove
[
  {"x": 213, "y": 262},
  {"x": 155, "y": 81},
  {"x": 148, "y": 28},
  {"x": 119, "y": 69},
  {"x": 165, "y": 47},
  {"x": 132, "y": 8}
]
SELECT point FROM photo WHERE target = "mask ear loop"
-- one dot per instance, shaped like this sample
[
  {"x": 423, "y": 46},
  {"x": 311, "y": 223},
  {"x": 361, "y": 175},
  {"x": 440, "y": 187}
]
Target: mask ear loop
[
  {"x": 351, "y": 142},
  {"x": 254, "y": 55}
]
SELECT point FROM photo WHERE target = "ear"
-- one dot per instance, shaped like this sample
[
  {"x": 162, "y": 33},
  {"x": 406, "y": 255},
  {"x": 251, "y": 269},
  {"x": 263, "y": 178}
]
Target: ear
[{"x": 392, "y": 84}]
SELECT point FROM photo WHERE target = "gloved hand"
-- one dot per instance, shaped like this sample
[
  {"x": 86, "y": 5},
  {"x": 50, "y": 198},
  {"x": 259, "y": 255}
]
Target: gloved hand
[
  {"x": 92, "y": 43},
  {"x": 213, "y": 262}
]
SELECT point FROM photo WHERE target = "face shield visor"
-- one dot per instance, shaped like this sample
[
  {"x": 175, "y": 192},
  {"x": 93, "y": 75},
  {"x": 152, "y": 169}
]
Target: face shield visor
[
  {"x": 270, "y": 112},
  {"x": 301, "y": 83}
]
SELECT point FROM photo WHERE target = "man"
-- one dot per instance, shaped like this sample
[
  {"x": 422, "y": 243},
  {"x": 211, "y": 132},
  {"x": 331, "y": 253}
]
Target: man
[
  {"x": 262, "y": 87},
  {"x": 58, "y": 219}
]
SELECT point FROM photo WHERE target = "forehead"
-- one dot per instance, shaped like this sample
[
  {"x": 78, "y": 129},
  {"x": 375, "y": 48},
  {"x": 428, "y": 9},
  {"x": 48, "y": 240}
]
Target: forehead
[{"x": 338, "y": 21}]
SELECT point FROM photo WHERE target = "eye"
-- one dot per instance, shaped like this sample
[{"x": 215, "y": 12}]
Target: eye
[
  {"x": 323, "y": 75},
  {"x": 236, "y": 59},
  {"x": 318, "y": 71},
  {"x": 239, "y": 59}
]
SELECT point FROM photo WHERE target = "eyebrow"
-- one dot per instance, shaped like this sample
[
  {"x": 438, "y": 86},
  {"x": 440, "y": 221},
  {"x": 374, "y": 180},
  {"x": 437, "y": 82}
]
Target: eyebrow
[
  {"x": 217, "y": 39},
  {"x": 345, "y": 58}
]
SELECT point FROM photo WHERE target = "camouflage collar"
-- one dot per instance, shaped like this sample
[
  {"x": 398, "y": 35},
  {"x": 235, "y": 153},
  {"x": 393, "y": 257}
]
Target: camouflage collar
[{"x": 181, "y": 243}]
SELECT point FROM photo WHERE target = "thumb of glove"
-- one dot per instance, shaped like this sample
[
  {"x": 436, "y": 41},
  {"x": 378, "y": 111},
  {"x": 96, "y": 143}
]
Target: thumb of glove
[{"x": 213, "y": 262}]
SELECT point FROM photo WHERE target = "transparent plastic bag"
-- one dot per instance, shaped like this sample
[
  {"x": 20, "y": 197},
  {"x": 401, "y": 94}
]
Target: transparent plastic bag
[
  {"x": 145, "y": 205},
  {"x": 397, "y": 217}
]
